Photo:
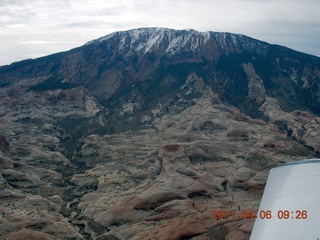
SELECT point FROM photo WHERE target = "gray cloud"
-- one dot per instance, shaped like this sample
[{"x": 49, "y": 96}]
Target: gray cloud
[{"x": 51, "y": 26}]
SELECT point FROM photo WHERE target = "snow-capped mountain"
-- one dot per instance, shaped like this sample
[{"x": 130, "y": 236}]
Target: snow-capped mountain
[
  {"x": 171, "y": 42},
  {"x": 109, "y": 65},
  {"x": 144, "y": 134}
]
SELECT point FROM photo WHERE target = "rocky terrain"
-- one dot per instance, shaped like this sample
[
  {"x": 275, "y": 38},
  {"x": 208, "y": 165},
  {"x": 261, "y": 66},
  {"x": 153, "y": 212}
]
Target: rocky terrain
[{"x": 143, "y": 134}]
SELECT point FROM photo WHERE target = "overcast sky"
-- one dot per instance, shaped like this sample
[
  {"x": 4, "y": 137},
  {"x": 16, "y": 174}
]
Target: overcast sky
[{"x": 33, "y": 28}]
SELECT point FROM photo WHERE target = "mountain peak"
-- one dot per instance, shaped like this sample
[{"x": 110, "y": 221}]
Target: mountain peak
[
  {"x": 144, "y": 130},
  {"x": 109, "y": 65},
  {"x": 147, "y": 39},
  {"x": 171, "y": 42}
]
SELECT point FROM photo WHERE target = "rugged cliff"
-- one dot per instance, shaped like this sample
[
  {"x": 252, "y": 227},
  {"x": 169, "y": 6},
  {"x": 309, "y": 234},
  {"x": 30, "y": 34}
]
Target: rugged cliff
[{"x": 142, "y": 134}]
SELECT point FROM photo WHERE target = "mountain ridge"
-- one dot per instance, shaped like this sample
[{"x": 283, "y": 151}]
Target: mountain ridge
[
  {"x": 154, "y": 35},
  {"x": 110, "y": 65},
  {"x": 103, "y": 38},
  {"x": 144, "y": 133}
]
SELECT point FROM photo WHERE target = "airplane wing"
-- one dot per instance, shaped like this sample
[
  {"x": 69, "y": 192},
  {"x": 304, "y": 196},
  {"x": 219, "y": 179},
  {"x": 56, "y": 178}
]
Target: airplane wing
[{"x": 290, "y": 205}]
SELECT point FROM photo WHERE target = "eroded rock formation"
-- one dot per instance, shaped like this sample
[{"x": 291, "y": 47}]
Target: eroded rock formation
[{"x": 144, "y": 134}]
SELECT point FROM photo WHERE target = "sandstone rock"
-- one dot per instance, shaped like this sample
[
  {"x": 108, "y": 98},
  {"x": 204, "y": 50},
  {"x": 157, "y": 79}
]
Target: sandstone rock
[
  {"x": 5, "y": 161},
  {"x": 130, "y": 138},
  {"x": 257, "y": 182},
  {"x": 123, "y": 212},
  {"x": 84, "y": 180},
  {"x": 3, "y": 182},
  {"x": 4, "y": 145},
  {"x": 47, "y": 226},
  {"x": 29, "y": 234},
  {"x": 240, "y": 229},
  {"x": 237, "y": 235},
  {"x": 247, "y": 227},
  {"x": 175, "y": 229},
  {"x": 20, "y": 179},
  {"x": 8, "y": 193}
]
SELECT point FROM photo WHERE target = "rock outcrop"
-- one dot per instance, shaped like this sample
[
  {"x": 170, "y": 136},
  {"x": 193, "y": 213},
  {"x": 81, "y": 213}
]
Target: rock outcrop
[{"x": 145, "y": 134}]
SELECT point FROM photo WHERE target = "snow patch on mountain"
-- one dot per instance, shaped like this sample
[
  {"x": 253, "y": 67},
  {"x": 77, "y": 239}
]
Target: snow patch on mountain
[
  {"x": 148, "y": 39},
  {"x": 171, "y": 42}
]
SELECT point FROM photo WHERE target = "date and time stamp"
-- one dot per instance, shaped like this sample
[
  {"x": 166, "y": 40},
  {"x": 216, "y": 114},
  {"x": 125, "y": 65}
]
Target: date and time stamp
[{"x": 261, "y": 214}]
